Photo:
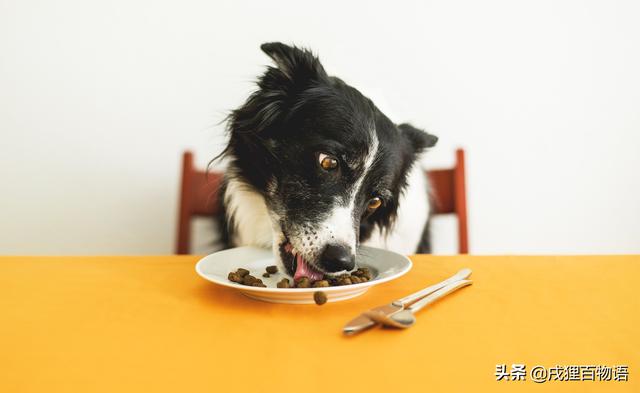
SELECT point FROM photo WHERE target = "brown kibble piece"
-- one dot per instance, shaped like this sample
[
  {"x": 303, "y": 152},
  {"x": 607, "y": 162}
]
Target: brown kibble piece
[
  {"x": 320, "y": 284},
  {"x": 303, "y": 282},
  {"x": 362, "y": 273},
  {"x": 249, "y": 279},
  {"x": 284, "y": 283},
  {"x": 344, "y": 281},
  {"x": 258, "y": 284},
  {"x": 266, "y": 275},
  {"x": 272, "y": 269},
  {"x": 355, "y": 280},
  {"x": 242, "y": 272},
  {"x": 234, "y": 277},
  {"x": 320, "y": 298}
]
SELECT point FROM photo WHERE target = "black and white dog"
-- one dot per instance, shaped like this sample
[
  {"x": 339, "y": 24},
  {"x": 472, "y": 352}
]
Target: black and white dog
[{"x": 315, "y": 169}]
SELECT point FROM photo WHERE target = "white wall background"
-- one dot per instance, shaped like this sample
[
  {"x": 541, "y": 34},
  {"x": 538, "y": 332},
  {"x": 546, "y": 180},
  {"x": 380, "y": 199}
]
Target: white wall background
[{"x": 98, "y": 99}]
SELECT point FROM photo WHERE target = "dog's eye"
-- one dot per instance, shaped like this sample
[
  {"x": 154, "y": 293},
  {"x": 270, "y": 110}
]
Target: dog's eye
[
  {"x": 327, "y": 162},
  {"x": 374, "y": 204}
]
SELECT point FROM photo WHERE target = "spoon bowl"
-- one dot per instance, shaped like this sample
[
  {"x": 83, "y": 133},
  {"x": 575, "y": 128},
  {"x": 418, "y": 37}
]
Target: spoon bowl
[
  {"x": 401, "y": 320},
  {"x": 406, "y": 318}
]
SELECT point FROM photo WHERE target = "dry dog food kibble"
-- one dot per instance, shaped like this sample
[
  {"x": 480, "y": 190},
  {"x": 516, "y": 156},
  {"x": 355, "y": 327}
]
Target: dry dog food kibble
[
  {"x": 248, "y": 279},
  {"x": 320, "y": 298},
  {"x": 272, "y": 269},
  {"x": 303, "y": 282},
  {"x": 235, "y": 277},
  {"x": 363, "y": 273},
  {"x": 242, "y": 272},
  {"x": 320, "y": 284},
  {"x": 242, "y": 276}
]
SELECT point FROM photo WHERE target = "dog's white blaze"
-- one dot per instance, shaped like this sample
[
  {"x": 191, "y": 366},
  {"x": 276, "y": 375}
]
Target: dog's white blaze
[
  {"x": 339, "y": 226},
  {"x": 368, "y": 162},
  {"x": 249, "y": 213}
]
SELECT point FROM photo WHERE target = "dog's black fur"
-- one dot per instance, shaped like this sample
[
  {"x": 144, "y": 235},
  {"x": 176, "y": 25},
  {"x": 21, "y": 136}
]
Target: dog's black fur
[{"x": 275, "y": 139}]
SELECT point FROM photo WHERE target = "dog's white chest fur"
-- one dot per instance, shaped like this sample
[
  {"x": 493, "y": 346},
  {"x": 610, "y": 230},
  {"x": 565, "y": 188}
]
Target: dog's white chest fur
[
  {"x": 253, "y": 224},
  {"x": 249, "y": 215}
]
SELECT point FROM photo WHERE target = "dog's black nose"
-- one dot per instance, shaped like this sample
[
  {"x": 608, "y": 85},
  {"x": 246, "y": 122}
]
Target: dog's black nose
[{"x": 335, "y": 258}]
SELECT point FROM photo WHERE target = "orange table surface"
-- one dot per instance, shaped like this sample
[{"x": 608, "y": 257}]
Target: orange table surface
[{"x": 150, "y": 324}]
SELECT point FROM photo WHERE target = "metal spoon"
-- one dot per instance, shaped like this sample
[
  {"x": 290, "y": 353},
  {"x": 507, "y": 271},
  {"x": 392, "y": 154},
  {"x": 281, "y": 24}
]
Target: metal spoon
[{"x": 406, "y": 318}]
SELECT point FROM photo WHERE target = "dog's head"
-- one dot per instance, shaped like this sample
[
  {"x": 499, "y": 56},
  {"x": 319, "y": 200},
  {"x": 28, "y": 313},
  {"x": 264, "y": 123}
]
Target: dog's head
[{"x": 328, "y": 163}]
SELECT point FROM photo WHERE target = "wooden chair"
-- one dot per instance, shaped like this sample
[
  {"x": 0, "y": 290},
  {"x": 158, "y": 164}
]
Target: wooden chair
[
  {"x": 199, "y": 198},
  {"x": 449, "y": 196}
]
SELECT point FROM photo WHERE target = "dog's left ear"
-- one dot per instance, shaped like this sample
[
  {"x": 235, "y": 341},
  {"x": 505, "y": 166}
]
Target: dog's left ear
[
  {"x": 300, "y": 66},
  {"x": 418, "y": 139},
  {"x": 297, "y": 69}
]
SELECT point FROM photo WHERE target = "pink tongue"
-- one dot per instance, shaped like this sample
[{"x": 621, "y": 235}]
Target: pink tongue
[{"x": 304, "y": 270}]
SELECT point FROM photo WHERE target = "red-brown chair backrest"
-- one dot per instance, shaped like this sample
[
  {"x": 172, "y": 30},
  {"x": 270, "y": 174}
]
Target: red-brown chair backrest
[
  {"x": 199, "y": 197},
  {"x": 449, "y": 196}
]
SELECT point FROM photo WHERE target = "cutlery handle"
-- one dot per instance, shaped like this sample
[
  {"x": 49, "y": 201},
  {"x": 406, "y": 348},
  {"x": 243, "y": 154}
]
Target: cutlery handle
[
  {"x": 417, "y": 306},
  {"x": 461, "y": 275}
]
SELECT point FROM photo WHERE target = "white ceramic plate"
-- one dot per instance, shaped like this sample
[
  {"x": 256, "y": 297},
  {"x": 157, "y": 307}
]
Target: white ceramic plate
[{"x": 384, "y": 265}]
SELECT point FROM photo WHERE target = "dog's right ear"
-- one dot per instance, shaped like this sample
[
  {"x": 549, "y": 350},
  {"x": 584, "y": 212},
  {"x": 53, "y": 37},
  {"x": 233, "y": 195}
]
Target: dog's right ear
[{"x": 418, "y": 139}]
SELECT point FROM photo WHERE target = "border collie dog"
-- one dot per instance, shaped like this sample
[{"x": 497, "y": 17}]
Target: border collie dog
[{"x": 315, "y": 170}]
